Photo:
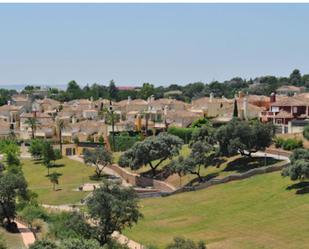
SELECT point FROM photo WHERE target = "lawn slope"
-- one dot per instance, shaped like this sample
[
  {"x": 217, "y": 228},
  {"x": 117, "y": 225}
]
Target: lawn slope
[
  {"x": 250, "y": 214},
  {"x": 73, "y": 175}
]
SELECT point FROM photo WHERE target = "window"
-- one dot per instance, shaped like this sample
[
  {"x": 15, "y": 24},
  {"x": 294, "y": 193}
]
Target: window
[{"x": 294, "y": 109}]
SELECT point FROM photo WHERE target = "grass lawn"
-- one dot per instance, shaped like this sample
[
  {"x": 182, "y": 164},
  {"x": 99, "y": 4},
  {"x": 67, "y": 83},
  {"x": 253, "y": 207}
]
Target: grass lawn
[
  {"x": 255, "y": 213},
  {"x": 12, "y": 240},
  {"x": 73, "y": 174}
]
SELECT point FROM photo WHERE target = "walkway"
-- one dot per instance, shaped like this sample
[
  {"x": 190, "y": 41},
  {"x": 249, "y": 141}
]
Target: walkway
[{"x": 26, "y": 234}]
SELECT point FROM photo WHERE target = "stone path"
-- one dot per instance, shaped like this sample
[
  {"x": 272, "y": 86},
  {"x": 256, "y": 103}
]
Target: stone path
[{"x": 26, "y": 234}]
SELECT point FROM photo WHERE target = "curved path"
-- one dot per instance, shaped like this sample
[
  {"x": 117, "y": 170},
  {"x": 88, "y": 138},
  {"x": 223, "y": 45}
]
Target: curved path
[{"x": 26, "y": 234}]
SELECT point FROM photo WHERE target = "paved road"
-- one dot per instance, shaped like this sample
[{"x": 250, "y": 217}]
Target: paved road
[
  {"x": 275, "y": 156},
  {"x": 26, "y": 234}
]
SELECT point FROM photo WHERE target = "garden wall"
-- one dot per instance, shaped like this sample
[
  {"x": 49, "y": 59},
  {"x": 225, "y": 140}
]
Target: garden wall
[
  {"x": 234, "y": 177},
  {"x": 140, "y": 181}
]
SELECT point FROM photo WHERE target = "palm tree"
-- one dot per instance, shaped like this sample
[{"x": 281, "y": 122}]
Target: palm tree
[
  {"x": 54, "y": 179},
  {"x": 32, "y": 123},
  {"x": 60, "y": 125}
]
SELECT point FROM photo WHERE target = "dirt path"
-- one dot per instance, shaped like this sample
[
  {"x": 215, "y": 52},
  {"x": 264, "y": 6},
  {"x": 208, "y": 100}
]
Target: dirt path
[{"x": 26, "y": 234}]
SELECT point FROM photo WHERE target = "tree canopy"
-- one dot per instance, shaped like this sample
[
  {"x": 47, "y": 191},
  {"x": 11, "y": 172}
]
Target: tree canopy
[
  {"x": 244, "y": 137},
  {"x": 112, "y": 209},
  {"x": 152, "y": 152}
]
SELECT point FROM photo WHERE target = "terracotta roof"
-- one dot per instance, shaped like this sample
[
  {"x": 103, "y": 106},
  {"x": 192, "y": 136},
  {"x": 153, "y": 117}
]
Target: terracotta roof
[
  {"x": 10, "y": 108},
  {"x": 284, "y": 114},
  {"x": 38, "y": 115},
  {"x": 48, "y": 101},
  {"x": 288, "y": 101},
  {"x": 132, "y": 102},
  {"x": 20, "y": 97},
  {"x": 289, "y": 88}
]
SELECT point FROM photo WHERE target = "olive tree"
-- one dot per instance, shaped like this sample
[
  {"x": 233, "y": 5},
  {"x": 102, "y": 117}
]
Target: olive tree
[
  {"x": 112, "y": 208},
  {"x": 244, "y": 137},
  {"x": 99, "y": 157},
  {"x": 153, "y": 151}
]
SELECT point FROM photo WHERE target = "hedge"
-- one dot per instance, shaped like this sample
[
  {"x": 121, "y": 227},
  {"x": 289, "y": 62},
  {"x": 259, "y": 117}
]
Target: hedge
[
  {"x": 123, "y": 141},
  {"x": 184, "y": 133},
  {"x": 288, "y": 144}
]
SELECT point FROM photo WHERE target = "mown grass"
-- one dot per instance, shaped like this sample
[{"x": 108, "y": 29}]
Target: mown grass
[
  {"x": 255, "y": 213},
  {"x": 73, "y": 174}
]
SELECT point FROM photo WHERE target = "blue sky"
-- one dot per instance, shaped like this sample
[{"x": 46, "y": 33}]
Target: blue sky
[{"x": 158, "y": 43}]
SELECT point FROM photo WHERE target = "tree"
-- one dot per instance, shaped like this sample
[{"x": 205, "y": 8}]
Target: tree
[
  {"x": 153, "y": 151},
  {"x": 43, "y": 244},
  {"x": 146, "y": 91},
  {"x": 112, "y": 209},
  {"x": 299, "y": 166},
  {"x": 54, "y": 179},
  {"x": 201, "y": 155},
  {"x": 74, "y": 91},
  {"x": 244, "y": 137},
  {"x": 68, "y": 225},
  {"x": 113, "y": 91},
  {"x": 79, "y": 244},
  {"x": 235, "y": 110},
  {"x": 306, "y": 132},
  {"x": 48, "y": 155},
  {"x": 295, "y": 77},
  {"x": 36, "y": 148},
  {"x": 182, "y": 243},
  {"x": 11, "y": 186},
  {"x": 203, "y": 134},
  {"x": 60, "y": 125},
  {"x": 32, "y": 123},
  {"x": 99, "y": 157},
  {"x": 101, "y": 139},
  {"x": 32, "y": 212}
]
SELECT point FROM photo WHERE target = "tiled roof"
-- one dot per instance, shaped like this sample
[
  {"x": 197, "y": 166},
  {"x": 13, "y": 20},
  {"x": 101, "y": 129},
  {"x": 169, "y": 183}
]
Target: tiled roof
[{"x": 288, "y": 101}]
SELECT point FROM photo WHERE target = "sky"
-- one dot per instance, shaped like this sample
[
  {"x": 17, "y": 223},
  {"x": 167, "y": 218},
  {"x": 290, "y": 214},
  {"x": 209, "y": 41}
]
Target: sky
[{"x": 51, "y": 44}]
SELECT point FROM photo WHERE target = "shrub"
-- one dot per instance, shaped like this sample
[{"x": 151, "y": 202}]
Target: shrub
[
  {"x": 124, "y": 141},
  {"x": 278, "y": 142},
  {"x": 288, "y": 144},
  {"x": 184, "y": 133}
]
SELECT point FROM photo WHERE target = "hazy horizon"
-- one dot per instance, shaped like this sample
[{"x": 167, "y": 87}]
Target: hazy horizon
[{"x": 51, "y": 44}]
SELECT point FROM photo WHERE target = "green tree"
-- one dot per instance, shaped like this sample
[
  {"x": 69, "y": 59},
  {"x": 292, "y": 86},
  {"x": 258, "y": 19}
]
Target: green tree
[
  {"x": 235, "y": 110},
  {"x": 43, "y": 244},
  {"x": 60, "y": 126},
  {"x": 112, "y": 209},
  {"x": 201, "y": 155},
  {"x": 33, "y": 212},
  {"x": 54, "y": 179},
  {"x": 79, "y": 244},
  {"x": 153, "y": 151},
  {"x": 48, "y": 155},
  {"x": 36, "y": 148},
  {"x": 99, "y": 157},
  {"x": 113, "y": 91},
  {"x": 32, "y": 123},
  {"x": 299, "y": 166},
  {"x": 295, "y": 77},
  {"x": 306, "y": 132},
  {"x": 74, "y": 91},
  {"x": 182, "y": 243},
  {"x": 12, "y": 186},
  {"x": 244, "y": 137},
  {"x": 146, "y": 91}
]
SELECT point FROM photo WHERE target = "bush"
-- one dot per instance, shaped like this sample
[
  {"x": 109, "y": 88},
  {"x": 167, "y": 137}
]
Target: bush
[
  {"x": 184, "y": 133},
  {"x": 124, "y": 141},
  {"x": 288, "y": 144}
]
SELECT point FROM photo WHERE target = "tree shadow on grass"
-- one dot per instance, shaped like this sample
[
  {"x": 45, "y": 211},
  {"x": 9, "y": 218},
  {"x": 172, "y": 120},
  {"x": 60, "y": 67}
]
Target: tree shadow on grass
[
  {"x": 244, "y": 164},
  {"x": 98, "y": 178},
  {"x": 206, "y": 178},
  {"x": 57, "y": 165},
  {"x": 302, "y": 188}
]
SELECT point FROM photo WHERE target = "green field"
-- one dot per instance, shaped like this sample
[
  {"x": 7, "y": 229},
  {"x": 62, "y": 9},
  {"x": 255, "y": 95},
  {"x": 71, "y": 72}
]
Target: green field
[
  {"x": 12, "y": 240},
  {"x": 73, "y": 175},
  {"x": 255, "y": 213}
]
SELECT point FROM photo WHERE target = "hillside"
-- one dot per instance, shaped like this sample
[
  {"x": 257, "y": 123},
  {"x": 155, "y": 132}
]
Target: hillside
[{"x": 251, "y": 214}]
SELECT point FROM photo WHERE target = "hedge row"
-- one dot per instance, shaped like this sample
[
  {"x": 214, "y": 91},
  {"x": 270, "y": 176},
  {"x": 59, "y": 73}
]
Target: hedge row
[
  {"x": 123, "y": 141},
  {"x": 184, "y": 133},
  {"x": 288, "y": 144}
]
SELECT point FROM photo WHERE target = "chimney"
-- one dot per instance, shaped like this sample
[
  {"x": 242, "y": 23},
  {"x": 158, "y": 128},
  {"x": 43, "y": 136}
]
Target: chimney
[
  {"x": 241, "y": 94},
  {"x": 211, "y": 97},
  {"x": 9, "y": 102},
  {"x": 272, "y": 97},
  {"x": 129, "y": 100},
  {"x": 245, "y": 107}
]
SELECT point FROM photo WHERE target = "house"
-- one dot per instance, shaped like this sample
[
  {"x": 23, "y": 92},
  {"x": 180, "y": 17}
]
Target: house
[
  {"x": 5, "y": 129},
  {"x": 46, "y": 105},
  {"x": 11, "y": 114},
  {"x": 45, "y": 127},
  {"x": 289, "y": 90},
  {"x": 284, "y": 109},
  {"x": 90, "y": 114},
  {"x": 23, "y": 100}
]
